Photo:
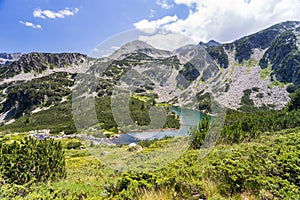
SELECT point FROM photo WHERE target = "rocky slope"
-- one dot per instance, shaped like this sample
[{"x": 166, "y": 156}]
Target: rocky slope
[
  {"x": 8, "y": 58},
  {"x": 38, "y": 63},
  {"x": 254, "y": 71},
  {"x": 211, "y": 43}
]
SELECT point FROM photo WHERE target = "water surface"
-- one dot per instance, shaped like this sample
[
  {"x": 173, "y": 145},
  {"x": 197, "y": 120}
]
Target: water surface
[{"x": 188, "y": 118}]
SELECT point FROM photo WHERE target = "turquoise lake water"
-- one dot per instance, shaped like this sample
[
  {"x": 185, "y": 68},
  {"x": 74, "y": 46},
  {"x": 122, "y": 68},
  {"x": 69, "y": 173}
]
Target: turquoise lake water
[{"x": 188, "y": 118}]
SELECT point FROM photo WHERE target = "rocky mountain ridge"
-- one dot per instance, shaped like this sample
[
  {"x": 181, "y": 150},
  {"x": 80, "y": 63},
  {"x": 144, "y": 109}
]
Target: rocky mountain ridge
[
  {"x": 8, "y": 58},
  {"x": 256, "y": 71},
  {"x": 211, "y": 43},
  {"x": 40, "y": 62}
]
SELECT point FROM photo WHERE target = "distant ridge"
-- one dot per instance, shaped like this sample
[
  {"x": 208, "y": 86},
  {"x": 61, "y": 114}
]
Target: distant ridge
[
  {"x": 8, "y": 58},
  {"x": 211, "y": 43}
]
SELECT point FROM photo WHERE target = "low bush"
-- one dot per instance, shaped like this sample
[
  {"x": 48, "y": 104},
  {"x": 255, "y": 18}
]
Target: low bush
[{"x": 31, "y": 160}]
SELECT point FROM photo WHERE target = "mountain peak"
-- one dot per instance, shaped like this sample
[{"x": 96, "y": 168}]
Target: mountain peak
[
  {"x": 287, "y": 25},
  {"x": 138, "y": 46},
  {"x": 211, "y": 43}
]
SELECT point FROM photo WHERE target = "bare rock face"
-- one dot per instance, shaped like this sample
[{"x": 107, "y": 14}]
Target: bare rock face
[
  {"x": 283, "y": 57},
  {"x": 8, "y": 58},
  {"x": 39, "y": 62},
  {"x": 211, "y": 43}
]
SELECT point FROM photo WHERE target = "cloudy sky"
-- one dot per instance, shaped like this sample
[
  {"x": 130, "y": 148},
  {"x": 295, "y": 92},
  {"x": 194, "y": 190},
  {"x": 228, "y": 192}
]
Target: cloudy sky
[{"x": 79, "y": 25}]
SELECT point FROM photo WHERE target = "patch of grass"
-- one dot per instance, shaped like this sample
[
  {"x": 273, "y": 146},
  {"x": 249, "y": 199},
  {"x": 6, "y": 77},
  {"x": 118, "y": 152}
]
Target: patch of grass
[
  {"x": 266, "y": 73},
  {"x": 249, "y": 64},
  {"x": 165, "y": 104},
  {"x": 156, "y": 194},
  {"x": 141, "y": 98},
  {"x": 246, "y": 63},
  {"x": 276, "y": 83}
]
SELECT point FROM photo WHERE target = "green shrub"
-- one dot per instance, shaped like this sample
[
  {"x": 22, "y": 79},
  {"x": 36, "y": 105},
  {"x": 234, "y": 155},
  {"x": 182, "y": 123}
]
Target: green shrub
[
  {"x": 272, "y": 166},
  {"x": 246, "y": 100},
  {"x": 295, "y": 101},
  {"x": 31, "y": 160},
  {"x": 241, "y": 127},
  {"x": 73, "y": 145},
  {"x": 130, "y": 185},
  {"x": 198, "y": 134}
]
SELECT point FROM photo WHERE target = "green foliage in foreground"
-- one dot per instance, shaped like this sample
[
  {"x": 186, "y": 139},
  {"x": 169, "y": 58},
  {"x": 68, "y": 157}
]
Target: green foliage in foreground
[
  {"x": 271, "y": 167},
  {"x": 198, "y": 134},
  {"x": 73, "y": 145},
  {"x": 31, "y": 160},
  {"x": 267, "y": 168}
]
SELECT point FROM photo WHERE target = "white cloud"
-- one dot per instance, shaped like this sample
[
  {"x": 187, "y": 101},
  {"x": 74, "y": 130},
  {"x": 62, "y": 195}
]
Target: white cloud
[
  {"x": 115, "y": 47},
  {"x": 186, "y": 2},
  {"x": 30, "y": 24},
  {"x": 152, "y": 12},
  {"x": 151, "y": 26},
  {"x": 227, "y": 20},
  {"x": 52, "y": 14},
  {"x": 103, "y": 52},
  {"x": 164, "y": 4},
  {"x": 167, "y": 41}
]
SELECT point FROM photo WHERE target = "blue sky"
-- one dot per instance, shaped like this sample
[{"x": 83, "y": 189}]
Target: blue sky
[
  {"x": 94, "y": 21},
  {"x": 79, "y": 25}
]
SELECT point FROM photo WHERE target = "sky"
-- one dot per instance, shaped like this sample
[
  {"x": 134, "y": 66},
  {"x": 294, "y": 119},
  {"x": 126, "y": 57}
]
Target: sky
[{"x": 80, "y": 25}]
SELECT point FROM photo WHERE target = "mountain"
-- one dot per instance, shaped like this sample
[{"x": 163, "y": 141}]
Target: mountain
[
  {"x": 269, "y": 64},
  {"x": 211, "y": 43},
  {"x": 8, "y": 58},
  {"x": 38, "y": 63},
  {"x": 255, "y": 72},
  {"x": 138, "y": 46}
]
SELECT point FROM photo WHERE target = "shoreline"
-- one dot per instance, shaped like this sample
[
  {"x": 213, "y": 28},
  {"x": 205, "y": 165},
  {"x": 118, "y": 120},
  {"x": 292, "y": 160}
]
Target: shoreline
[{"x": 148, "y": 130}]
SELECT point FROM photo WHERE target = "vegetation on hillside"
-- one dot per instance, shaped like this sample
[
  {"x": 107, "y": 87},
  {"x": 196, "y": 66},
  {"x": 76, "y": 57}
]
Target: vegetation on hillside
[
  {"x": 27, "y": 161},
  {"x": 63, "y": 120},
  {"x": 256, "y": 157}
]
